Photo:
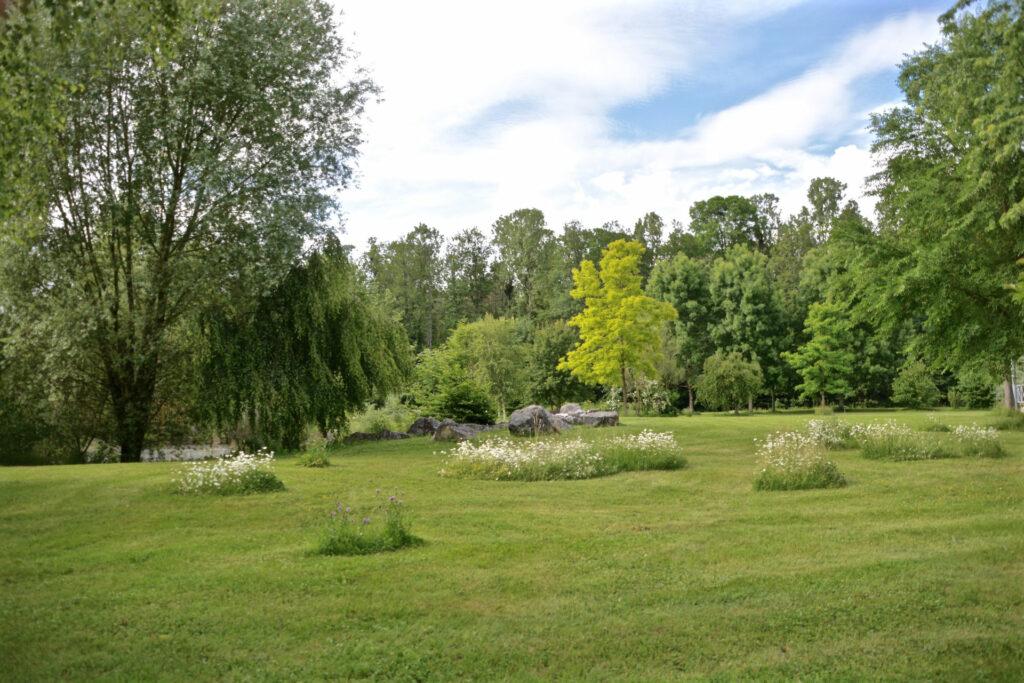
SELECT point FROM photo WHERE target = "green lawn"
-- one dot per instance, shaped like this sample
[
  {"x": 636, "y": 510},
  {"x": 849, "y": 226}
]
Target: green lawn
[{"x": 915, "y": 570}]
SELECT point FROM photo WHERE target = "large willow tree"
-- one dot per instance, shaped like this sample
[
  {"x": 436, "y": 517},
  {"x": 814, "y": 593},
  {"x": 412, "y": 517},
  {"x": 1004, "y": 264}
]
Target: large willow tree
[
  {"x": 311, "y": 351},
  {"x": 194, "y": 147}
]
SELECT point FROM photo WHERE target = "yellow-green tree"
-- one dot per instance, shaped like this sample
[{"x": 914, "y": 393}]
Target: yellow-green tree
[{"x": 620, "y": 326}]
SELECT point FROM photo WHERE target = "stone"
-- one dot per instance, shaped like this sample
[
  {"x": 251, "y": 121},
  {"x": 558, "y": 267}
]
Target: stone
[
  {"x": 570, "y": 409},
  {"x": 599, "y": 418},
  {"x": 424, "y": 426},
  {"x": 450, "y": 430},
  {"x": 562, "y": 422},
  {"x": 386, "y": 435},
  {"x": 531, "y": 421}
]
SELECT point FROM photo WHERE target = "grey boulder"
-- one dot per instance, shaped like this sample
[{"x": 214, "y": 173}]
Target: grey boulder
[
  {"x": 599, "y": 418},
  {"x": 570, "y": 409},
  {"x": 424, "y": 426},
  {"x": 531, "y": 421},
  {"x": 386, "y": 435},
  {"x": 450, "y": 430}
]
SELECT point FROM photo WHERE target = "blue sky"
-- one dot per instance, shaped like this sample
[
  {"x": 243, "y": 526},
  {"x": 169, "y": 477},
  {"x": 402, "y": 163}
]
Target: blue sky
[{"x": 603, "y": 110}]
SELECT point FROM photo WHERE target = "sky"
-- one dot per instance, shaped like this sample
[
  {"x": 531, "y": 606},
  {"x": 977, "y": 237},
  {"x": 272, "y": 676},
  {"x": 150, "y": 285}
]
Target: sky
[{"x": 602, "y": 110}]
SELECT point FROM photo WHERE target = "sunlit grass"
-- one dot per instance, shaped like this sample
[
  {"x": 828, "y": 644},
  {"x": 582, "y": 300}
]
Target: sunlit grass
[{"x": 913, "y": 570}]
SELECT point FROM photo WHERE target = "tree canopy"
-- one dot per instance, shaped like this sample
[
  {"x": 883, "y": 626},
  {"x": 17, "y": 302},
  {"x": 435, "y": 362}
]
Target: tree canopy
[{"x": 619, "y": 325}]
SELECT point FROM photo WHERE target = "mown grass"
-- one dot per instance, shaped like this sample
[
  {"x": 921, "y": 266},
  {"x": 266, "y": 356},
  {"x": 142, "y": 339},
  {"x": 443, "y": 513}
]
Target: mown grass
[{"x": 914, "y": 570}]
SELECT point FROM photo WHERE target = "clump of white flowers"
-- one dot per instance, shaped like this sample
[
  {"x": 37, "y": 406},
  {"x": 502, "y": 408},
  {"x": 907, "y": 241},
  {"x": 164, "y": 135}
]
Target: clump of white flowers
[
  {"x": 647, "y": 440},
  {"x": 831, "y": 433},
  {"x": 972, "y": 440},
  {"x": 239, "y": 472},
  {"x": 506, "y": 459},
  {"x": 892, "y": 441},
  {"x": 795, "y": 460},
  {"x": 561, "y": 458}
]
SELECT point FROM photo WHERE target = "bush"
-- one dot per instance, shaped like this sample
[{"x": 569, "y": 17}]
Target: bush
[
  {"x": 553, "y": 459},
  {"x": 383, "y": 528},
  {"x": 791, "y": 461},
  {"x": 393, "y": 415},
  {"x": 313, "y": 459},
  {"x": 728, "y": 381},
  {"x": 891, "y": 441},
  {"x": 1008, "y": 420},
  {"x": 975, "y": 441},
  {"x": 914, "y": 387},
  {"x": 831, "y": 433},
  {"x": 973, "y": 389},
  {"x": 239, "y": 473},
  {"x": 464, "y": 402}
]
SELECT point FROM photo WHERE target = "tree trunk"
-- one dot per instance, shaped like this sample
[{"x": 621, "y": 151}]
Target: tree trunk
[
  {"x": 823, "y": 404},
  {"x": 131, "y": 395},
  {"x": 750, "y": 403},
  {"x": 625, "y": 399},
  {"x": 689, "y": 390},
  {"x": 1008, "y": 398}
]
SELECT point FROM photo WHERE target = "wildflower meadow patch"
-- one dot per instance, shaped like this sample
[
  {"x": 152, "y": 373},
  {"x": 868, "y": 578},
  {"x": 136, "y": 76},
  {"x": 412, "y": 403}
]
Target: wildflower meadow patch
[
  {"x": 892, "y": 441},
  {"x": 561, "y": 458},
  {"x": 795, "y": 461},
  {"x": 383, "y": 527},
  {"x": 238, "y": 473},
  {"x": 980, "y": 442}
]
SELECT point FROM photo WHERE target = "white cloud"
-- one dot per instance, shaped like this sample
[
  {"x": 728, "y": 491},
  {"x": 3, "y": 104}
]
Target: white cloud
[{"x": 490, "y": 107}]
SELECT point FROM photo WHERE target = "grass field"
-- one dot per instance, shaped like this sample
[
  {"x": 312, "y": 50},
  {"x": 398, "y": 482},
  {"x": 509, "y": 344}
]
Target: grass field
[{"x": 914, "y": 571}]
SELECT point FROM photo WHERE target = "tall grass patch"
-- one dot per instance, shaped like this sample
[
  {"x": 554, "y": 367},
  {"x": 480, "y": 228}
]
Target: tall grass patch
[
  {"x": 382, "y": 528},
  {"x": 1007, "y": 420},
  {"x": 831, "y": 434},
  {"x": 235, "y": 474},
  {"x": 793, "y": 461},
  {"x": 978, "y": 442},
  {"x": 892, "y": 441},
  {"x": 549, "y": 459}
]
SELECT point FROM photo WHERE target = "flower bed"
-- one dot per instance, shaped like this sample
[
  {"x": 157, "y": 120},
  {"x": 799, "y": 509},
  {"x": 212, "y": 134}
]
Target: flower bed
[
  {"x": 239, "y": 473},
  {"x": 892, "y": 441},
  {"x": 382, "y": 528},
  {"x": 551, "y": 459},
  {"x": 832, "y": 433},
  {"x": 975, "y": 441},
  {"x": 795, "y": 461}
]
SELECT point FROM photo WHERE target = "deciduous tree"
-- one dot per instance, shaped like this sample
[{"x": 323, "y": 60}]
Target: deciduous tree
[{"x": 620, "y": 326}]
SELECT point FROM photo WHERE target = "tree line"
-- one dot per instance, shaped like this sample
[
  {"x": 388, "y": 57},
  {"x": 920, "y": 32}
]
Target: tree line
[{"x": 170, "y": 270}]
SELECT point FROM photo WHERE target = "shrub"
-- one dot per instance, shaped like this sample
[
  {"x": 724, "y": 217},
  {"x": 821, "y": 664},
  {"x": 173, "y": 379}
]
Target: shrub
[
  {"x": 382, "y": 528},
  {"x": 238, "y": 473},
  {"x": 831, "y": 433},
  {"x": 313, "y": 459},
  {"x": 552, "y": 459},
  {"x": 914, "y": 387},
  {"x": 891, "y": 441},
  {"x": 464, "y": 401},
  {"x": 975, "y": 441},
  {"x": 393, "y": 415},
  {"x": 793, "y": 461},
  {"x": 729, "y": 381},
  {"x": 974, "y": 389},
  {"x": 1008, "y": 420}
]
